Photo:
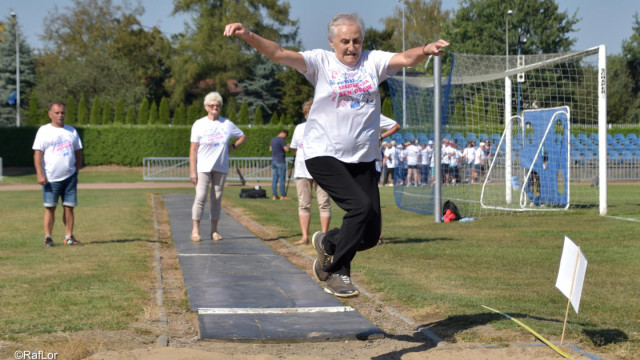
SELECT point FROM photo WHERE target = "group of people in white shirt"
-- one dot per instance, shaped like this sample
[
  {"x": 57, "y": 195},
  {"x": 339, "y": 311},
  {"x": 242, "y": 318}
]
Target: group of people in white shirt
[{"x": 412, "y": 164}]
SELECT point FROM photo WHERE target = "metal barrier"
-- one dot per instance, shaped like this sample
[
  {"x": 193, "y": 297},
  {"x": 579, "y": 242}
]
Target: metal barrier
[{"x": 177, "y": 168}]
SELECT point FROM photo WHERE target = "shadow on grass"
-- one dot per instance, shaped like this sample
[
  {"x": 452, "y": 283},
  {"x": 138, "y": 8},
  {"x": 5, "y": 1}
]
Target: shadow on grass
[
  {"x": 418, "y": 338},
  {"x": 402, "y": 241},
  {"x": 449, "y": 327},
  {"x": 122, "y": 241},
  {"x": 604, "y": 337}
]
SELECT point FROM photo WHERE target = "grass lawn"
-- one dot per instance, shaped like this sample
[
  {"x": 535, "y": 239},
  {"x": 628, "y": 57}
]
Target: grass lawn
[{"x": 440, "y": 274}]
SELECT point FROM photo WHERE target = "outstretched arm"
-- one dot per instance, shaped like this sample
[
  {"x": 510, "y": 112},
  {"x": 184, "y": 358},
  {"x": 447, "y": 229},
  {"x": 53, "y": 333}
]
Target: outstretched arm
[
  {"x": 269, "y": 48},
  {"x": 413, "y": 57}
]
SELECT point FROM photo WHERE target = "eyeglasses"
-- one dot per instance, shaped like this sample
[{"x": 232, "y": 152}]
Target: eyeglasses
[{"x": 214, "y": 105}]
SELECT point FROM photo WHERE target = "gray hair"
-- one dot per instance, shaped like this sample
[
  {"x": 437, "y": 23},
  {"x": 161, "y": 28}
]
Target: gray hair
[
  {"x": 213, "y": 96},
  {"x": 343, "y": 19}
]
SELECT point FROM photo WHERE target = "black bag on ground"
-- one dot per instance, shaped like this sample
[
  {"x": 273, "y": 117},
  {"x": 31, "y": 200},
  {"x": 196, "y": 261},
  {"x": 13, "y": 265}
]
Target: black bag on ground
[
  {"x": 253, "y": 193},
  {"x": 449, "y": 205}
]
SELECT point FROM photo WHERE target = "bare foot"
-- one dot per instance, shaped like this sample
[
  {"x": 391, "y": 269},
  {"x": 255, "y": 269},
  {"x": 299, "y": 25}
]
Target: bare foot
[{"x": 302, "y": 242}]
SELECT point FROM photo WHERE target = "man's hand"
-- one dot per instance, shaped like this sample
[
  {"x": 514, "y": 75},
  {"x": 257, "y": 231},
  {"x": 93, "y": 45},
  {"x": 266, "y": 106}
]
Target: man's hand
[{"x": 236, "y": 29}]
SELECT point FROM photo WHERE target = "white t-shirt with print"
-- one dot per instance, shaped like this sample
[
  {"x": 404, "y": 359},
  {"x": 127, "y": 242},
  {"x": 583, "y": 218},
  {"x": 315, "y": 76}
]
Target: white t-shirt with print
[
  {"x": 213, "y": 141},
  {"x": 297, "y": 142},
  {"x": 344, "y": 120},
  {"x": 59, "y": 146}
]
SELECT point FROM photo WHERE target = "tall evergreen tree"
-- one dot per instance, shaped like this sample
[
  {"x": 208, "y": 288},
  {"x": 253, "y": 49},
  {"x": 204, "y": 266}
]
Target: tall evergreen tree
[
  {"x": 180, "y": 115},
  {"x": 143, "y": 112},
  {"x": 83, "y": 111},
  {"x": 258, "y": 120},
  {"x": 243, "y": 116},
  {"x": 262, "y": 89},
  {"x": 130, "y": 119},
  {"x": 232, "y": 59},
  {"x": 164, "y": 115},
  {"x": 107, "y": 113},
  {"x": 95, "y": 117},
  {"x": 71, "y": 109},
  {"x": 274, "y": 119},
  {"x": 153, "y": 114},
  {"x": 120, "y": 114},
  {"x": 8, "y": 115},
  {"x": 283, "y": 120},
  {"x": 233, "y": 116},
  {"x": 193, "y": 113}
]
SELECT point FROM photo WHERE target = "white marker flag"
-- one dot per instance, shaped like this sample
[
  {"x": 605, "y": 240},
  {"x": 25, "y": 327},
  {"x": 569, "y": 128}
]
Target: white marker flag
[{"x": 573, "y": 266}]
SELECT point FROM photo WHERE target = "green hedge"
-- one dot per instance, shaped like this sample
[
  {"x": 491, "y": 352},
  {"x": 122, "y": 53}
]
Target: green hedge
[{"x": 127, "y": 145}]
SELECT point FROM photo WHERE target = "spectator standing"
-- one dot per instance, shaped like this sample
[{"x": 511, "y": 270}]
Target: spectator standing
[
  {"x": 305, "y": 184},
  {"x": 390, "y": 127},
  {"x": 209, "y": 161},
  {"x": 413, "y": 164},
  {"x": 278, "y": 148},
  {"x": 57, "y": 157},
  {"x": 390, "y": 164},
  {"x": 426, "y": 152},
  {"x": 478, "y": 163}
]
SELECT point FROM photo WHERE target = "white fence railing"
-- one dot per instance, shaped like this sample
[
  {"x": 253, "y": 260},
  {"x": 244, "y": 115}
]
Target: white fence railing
[{"x": 177, "y": 168}]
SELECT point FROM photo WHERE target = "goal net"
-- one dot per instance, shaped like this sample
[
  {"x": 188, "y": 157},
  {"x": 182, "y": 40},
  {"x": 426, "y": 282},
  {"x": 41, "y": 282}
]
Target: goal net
[{"x": 540, "y": 119}]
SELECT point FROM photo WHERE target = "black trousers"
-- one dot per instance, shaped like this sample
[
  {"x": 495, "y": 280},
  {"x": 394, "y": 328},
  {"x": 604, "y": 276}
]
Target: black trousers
[{"x": 354, "y": 189}]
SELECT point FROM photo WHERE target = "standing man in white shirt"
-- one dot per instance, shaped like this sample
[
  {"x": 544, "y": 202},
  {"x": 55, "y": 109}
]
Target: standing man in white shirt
[
  {"x": 57, "y": 158},
  {"x": 341, "y": 137}
]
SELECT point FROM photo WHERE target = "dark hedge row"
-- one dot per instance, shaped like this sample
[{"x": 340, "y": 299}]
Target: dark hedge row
[{"x": 128, "y": 145}]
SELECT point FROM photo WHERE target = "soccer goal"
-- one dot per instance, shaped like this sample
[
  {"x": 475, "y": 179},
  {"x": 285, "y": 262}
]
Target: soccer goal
[{"x": 541, "y": 117}]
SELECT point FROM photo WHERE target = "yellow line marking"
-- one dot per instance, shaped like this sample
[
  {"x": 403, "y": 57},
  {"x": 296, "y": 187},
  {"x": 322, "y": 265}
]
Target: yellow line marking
[{"x": 565, "y": 355}]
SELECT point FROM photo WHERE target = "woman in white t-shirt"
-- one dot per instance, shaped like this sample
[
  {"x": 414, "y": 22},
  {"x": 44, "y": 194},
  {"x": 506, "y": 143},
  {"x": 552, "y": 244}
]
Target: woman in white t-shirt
[
  {"x": 305, "y": 184},
  {"x": 209, "y": 161},
  {"x": 342, "y": 132}
]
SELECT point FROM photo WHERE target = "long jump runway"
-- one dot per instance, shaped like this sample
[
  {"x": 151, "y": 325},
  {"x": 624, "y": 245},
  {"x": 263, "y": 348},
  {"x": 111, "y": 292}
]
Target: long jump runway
[{"x": 242, "y": 290}]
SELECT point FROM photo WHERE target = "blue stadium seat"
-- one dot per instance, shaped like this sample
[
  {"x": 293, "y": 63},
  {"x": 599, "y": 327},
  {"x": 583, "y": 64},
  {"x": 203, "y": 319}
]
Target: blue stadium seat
[
  {"x": 619, "y": 138},
  {"x": 627, "y": 157},
  {"x": 594, "y": 138},
  {"x": 582, "y": 138},
  {"x": 472, "y": 137},
  {"x": 495, "y": 138},
  {"x": 408, "y": 136},
  {"x": 446, "y": 135},
  {"x": 483, "y": 137},
  {"x": 632, "y": 138}
]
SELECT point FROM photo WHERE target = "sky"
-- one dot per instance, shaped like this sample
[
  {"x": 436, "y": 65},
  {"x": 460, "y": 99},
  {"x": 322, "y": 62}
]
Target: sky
[{"x": 602, "y": 22}]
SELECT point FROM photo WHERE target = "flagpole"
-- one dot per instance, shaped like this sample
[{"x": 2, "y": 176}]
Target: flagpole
[{"x": 573, "y": 282}]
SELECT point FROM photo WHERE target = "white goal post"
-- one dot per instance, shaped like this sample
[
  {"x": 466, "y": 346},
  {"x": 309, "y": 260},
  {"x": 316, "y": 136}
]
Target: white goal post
[{"x": 482, "y": 99}]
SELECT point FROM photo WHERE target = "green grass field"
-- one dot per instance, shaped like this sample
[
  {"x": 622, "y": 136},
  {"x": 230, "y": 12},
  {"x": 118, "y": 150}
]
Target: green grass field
[{"x": 439, "y": 274}]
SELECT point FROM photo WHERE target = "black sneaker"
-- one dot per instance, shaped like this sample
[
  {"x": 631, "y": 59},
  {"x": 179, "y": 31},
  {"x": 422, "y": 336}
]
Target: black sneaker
[
  {"x": 71, "y": 241},
  {"x": 48, "y": 241},
  {"x": 322, "y": 258},
  {"x": 340, "y": 286}
]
